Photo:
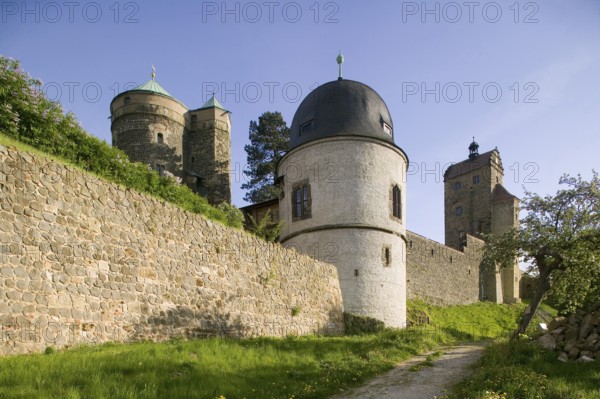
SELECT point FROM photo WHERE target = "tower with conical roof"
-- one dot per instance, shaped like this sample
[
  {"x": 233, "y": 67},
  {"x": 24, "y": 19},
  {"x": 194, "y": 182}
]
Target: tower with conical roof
[
  {"x": 208, "y": 144},
  {"x": 343, "y": 196},
  {"x": 477, "y": 203},
  {"x": 148, "y": 124},
  {"x": 153, "y": 127}
]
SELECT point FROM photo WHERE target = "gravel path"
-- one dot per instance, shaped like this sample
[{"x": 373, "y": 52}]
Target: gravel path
[{"x": 428, "y": 383}]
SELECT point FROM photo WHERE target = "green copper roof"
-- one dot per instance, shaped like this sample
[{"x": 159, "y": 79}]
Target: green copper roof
[
  {"x": 213, "y": 103},
  {"x": 153, "y": 86}
]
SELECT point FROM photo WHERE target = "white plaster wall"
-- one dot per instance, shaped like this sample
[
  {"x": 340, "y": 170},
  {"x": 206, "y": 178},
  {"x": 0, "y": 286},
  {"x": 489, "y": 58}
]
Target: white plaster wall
[
  {"x": 351, "y": 223},
  {"x": 350, "y": 180}
]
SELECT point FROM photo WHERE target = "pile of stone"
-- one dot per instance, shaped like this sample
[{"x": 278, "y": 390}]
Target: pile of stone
[{"x": 577, "y": 337}]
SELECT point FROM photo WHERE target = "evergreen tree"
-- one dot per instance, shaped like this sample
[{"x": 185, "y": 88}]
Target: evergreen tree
[{"x": 269, "y": 140}]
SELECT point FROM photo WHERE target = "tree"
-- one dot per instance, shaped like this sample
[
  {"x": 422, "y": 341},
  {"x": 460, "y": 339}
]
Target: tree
[
  {"x": 265, "y": 228},
  {"x": 559, "y": 237},
  {"x": 269, "y": 140}
]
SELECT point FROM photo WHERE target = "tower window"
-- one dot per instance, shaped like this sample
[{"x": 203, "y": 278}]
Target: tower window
[
  {"x": 387, "y": 257},
  {"x": 462, "y": 238},
  {"x": 160, "y": 139},
  {"x": 458, "y": 211},
  {"x": 194, "y": 118},
  {"x": 387, "y": 128},
  {"x": 480, "y": 226},
  {"x": 305, "y": 127},
  {"x": 457, "y": 185},
  {"x": 160, "y": 168},
  {"x": 126, "y": 100},
  {"x": 301, "y": 201},
  {"x": 476, "y": 179},
  {"x": 397, "y": 202},
  {"x": 192, "y": 159}
]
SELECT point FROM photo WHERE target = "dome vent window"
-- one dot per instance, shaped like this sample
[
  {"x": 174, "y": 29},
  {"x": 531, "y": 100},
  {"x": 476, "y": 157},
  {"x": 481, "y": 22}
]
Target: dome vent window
[
  {"x": 387, "y": 128},
  {"x": 305, "y": 127}
]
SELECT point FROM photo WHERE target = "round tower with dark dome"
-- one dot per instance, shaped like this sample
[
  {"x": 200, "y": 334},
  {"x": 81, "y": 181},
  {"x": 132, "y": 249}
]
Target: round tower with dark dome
[{"x": 343, "y": 196}]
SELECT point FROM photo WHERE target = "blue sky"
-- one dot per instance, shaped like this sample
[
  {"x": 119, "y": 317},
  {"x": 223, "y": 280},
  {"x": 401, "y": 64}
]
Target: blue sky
[{"x": 522, "y": 76}]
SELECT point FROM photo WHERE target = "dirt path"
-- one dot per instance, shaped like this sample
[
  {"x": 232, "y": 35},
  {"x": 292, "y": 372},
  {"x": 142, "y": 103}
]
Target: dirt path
[{"x": 427, "y": 383}]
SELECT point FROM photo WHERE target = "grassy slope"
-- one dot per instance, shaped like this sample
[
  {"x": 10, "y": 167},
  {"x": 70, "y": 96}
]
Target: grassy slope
[
  {"x": 295, "y": 367},
  {"x": 522, "y": 370}
]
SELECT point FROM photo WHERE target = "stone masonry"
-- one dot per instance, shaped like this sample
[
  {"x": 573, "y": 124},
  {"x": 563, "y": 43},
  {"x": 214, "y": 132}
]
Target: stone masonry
[
  {"x": 86, "y": 261},
  {"x": 442, "y": 275}
]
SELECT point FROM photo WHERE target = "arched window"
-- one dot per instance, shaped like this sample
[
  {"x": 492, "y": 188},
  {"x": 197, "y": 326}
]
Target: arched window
[
  {"x": 397, "y": 202},
  {"x": 160, "y": 139}
]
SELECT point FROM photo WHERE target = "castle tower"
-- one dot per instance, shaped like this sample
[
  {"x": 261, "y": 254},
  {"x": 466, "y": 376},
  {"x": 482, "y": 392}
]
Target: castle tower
[
  {"x": 148, "y": 124},
  {"x": 154, "y": 128},
  {"x": 343, "y": 196},
  {"x": 476, "y": 203},
  {"x": 208, "y": 152}
]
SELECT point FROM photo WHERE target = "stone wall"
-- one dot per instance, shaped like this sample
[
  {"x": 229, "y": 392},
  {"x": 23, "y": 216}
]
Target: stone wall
[
  {"x": 86, "y": 261},
  {"x": 442, "y": 275}
]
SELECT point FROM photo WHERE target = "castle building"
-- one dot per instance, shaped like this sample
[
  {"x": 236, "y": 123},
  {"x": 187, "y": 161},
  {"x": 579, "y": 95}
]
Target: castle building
[
  {"x": 343, "y": 196},
  {"x": 476, "y": 203},
  {"x": 154, "y": 128}
]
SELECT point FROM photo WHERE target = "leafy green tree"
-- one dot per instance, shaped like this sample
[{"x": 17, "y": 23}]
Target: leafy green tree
[
  {"x": 560, "y": 238},
  {"x": 235, "y": 217},
  {"x": 269, "y": 140},
  {"x": 265, "y": 228}
]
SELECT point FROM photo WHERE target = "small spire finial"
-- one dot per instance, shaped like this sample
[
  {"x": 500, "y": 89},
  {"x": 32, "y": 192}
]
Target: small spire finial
[
  {"x": 153, "y": 74},
  {"x": 340, "y": 61}
]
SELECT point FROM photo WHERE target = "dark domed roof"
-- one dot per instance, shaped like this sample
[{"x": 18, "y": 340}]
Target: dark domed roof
[{"x": 341, "y": 108}]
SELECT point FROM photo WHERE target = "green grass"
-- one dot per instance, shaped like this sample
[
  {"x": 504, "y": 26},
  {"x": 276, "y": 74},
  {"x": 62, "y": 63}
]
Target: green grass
[
  {"x": 293, "y": 367},
  {"x": 473, "y": 322},
  {"x": 522, "y": 370}
]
